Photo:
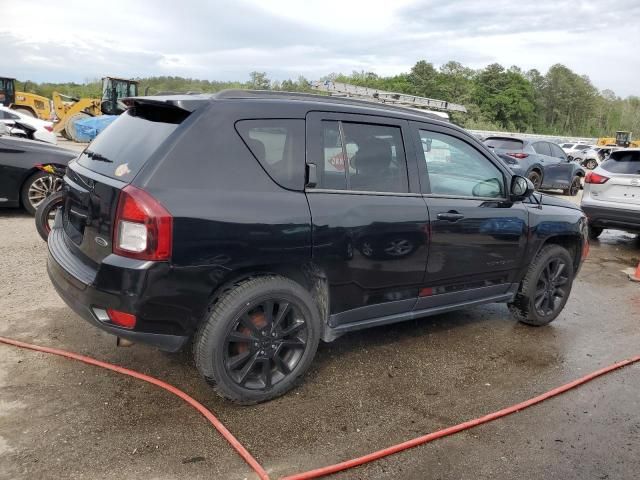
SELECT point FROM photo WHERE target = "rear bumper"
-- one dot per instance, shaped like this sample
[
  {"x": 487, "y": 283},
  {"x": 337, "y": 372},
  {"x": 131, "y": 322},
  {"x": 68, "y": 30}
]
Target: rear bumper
[
  {"x": 606, "y": 217},
  {"x": 78, "y": 291}
]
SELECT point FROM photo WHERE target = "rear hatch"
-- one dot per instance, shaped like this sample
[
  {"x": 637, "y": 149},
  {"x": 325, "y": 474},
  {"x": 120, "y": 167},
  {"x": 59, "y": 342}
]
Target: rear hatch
[
  {"x": 622, "y": 169},
  {"x": 94, "y": 181},
  {"x": 508, "y": 149}
]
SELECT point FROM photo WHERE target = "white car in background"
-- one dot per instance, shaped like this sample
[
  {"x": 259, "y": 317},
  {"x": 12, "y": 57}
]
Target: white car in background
[
  {"x": 20, "y": 124},
  {"x": 589, "y": 158},
  {"x": 572, "y": 148},
  {"x": 611, "y": 197}
]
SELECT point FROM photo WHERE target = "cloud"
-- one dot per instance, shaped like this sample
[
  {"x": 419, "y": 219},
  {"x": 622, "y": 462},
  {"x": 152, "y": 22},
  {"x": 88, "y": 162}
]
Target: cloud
[{"x": 227, "y": 40}]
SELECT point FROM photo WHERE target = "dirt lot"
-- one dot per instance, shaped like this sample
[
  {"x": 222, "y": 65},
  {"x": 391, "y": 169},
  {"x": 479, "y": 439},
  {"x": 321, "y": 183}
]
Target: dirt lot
[{"x": 367, "y": 390}]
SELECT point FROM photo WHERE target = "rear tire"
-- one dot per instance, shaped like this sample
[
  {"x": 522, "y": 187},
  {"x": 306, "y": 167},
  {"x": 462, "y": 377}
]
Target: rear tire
[
  {"x": 45, "y": 211},
  {"x": 26, "y": 111},
  {"x": 545, "y": 289},
  {"x": 37, "y": 188},
  {"x": 594, "y": 232},
  {"x": 243, "y": 350},
  {"x": 536, "y": 179},
  {"x": 70, "y": 128},
  {"x": 574, "y": 188}
]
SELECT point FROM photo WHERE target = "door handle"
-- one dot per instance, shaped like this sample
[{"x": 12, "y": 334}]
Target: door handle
[{"x": 450, "y": 216}]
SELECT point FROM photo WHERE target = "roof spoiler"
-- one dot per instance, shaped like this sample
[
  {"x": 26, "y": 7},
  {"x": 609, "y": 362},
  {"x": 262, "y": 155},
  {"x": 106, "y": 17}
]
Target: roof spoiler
[{"x": 188, "y": 103}]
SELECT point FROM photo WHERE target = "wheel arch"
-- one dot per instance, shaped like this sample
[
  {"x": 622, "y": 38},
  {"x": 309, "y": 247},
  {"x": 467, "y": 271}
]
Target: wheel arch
[
  {"x": 309, "y": 275},
  {"x": 571, "y": 242}
]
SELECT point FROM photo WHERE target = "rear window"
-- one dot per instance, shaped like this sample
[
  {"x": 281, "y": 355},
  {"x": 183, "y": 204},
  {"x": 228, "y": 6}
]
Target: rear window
[
  {"x": 623, "y": 162},
  {"x": 124, "y": 147},
  {"x": 279, "y": 146},
  {"x": 504, "y": 143},
  {"x": 582, "y": 147}
]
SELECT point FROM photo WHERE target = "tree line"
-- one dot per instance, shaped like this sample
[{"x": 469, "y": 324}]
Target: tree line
[{"x": 560, "y": 102}]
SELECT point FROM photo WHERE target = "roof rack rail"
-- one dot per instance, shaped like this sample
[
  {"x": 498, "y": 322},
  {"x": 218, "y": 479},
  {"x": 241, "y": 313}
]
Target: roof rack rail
[{"x": 314, "y": 97}]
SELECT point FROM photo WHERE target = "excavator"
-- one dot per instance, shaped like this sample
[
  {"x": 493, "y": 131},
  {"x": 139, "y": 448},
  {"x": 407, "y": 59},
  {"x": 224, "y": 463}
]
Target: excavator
[
  {"x": 622, "y": 139},
  {"x": 70, "y": 109},
  {"x": 26, "y": 103}
]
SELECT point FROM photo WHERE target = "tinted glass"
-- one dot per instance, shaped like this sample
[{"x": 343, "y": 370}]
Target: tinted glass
[
  {"x": 556, "y": 151},
  {"x": 567, "y": 145},
  {"x": 332, "y": 173},
  {"x": 279, "y": 146},
  {"x": 455, "y": 168},
  {"x": 124, "y": 147},
  {"x": 542, "y": 148},
  {"x": 582, "y": 147},
  {"x": 504, "y": 143},
  {"x": 375, "y": 158},
  {"x": 623, "y": 162}
]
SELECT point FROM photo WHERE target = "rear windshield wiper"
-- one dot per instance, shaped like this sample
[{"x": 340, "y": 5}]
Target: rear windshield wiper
[{"x": 96, "y": 156}]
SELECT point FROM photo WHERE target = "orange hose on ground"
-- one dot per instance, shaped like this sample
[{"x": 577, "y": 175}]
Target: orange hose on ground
[
  {"x": 228, "y": 436},
  {"x": 330, "y": 469},
  {"x": 320, "y": 472}
]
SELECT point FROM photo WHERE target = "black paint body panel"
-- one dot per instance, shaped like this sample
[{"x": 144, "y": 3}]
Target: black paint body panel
[{"x": 232, "y": 220}]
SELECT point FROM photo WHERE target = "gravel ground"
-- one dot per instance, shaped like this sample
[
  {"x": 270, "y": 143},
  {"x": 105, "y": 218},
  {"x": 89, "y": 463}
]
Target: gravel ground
[{"x": 367, "y": 390}]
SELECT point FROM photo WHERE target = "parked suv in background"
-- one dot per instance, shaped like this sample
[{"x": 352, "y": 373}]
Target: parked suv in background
[
  {"x": 611, "y": 197},
  {"x": 252, "y": 225},
  {"x": 544, "y": 163}
]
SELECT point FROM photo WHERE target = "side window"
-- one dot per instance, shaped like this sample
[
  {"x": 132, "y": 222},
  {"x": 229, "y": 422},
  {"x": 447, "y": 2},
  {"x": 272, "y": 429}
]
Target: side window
[
  {"x": 455, "y": 168},
  {"x": 542, "y": 148},
  {"x": 363, "y": 157},
  {"x": 279, "y": 146},
  {"x": 333, "y": 175},
  {"x": 375, "y": 158},
  {"x": 556, "y": 151}
]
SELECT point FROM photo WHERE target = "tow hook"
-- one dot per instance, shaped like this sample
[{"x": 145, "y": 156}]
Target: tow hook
[{"x": 123, "y": 342}]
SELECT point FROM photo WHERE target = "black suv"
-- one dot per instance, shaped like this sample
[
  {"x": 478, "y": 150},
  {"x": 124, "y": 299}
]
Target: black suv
[{"x": 252, "y": 225}]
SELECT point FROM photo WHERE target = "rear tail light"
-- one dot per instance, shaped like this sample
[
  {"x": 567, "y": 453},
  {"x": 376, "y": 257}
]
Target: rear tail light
[
  {"x": 596, "y": 178},
  {"x": 519, "y": 155},
  {"x": 143, "y": 227},
  {"x": 122, "y": 319},
  {"x": 48, "y": 128}
]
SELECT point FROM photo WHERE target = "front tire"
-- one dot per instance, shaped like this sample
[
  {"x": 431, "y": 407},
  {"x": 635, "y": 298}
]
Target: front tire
[
  {"x": 591, "y": 164},
  {"x": 545, "y": 289},
  {"x": 258, "y": 340}
]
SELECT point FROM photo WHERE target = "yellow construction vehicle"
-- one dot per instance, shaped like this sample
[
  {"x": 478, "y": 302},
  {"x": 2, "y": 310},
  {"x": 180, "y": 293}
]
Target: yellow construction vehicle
[
  {"x": 24, "y": 102},
  {"x": 622, "y": 139},
  {"x": 70, "y": 109}
]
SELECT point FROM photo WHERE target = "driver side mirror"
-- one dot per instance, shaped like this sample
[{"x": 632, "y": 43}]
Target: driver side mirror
[{"x": 521, "y": 188}]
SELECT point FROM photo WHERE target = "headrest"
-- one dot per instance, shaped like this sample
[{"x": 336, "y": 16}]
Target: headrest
[{"x": 373, "y": 153}]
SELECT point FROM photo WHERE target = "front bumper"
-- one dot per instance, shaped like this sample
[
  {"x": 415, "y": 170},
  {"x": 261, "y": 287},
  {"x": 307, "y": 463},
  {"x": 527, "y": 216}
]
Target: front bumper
[
  {"x": 607, "y": 217},
  {"x": 75, "y": 283}
]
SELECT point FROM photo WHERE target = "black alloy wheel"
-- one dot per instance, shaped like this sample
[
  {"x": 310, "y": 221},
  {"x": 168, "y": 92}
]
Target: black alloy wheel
[
  {"x": 551, "y": 289},
  {"x": 265, "y": 344},
  {"x": 258, "y": 339}
]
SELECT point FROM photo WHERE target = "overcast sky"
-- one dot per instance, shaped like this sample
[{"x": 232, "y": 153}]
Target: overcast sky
[{"x": 77, "y": 40}]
